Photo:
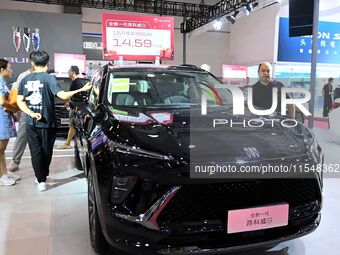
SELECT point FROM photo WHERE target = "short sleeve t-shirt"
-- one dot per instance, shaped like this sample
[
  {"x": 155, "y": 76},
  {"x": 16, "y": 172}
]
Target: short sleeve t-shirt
[
  {"x": 20, "y": 77},
  {"x": 39, "y": 90},
  {"x": 327, "y": 88},
  {"x": 263, "y": 95},
  {"x": 4, "y": 91},
  {"x": 76, "y": 84}
]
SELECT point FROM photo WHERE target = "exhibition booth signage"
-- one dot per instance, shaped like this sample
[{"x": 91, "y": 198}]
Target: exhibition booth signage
[
  {"x": 137, "y": 37},
  {"x": 299, "y": 49}
]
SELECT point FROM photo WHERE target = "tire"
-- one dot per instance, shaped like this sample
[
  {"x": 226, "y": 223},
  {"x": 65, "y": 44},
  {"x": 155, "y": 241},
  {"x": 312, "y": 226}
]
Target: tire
[
  {"x": 77, "y": 160},
  {"x": 98, "y": 241}
]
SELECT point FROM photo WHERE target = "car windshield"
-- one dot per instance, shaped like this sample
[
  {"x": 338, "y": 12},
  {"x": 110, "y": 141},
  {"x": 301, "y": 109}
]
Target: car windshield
[{"x": 164, "y": 88}]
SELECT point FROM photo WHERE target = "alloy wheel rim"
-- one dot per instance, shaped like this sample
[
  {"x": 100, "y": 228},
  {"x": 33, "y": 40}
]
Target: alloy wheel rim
[{"x": 92, "y": 208}]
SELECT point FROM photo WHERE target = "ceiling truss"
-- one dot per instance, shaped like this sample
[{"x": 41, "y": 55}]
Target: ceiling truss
[
  {"x": 214, "y": 12},
  {"x": 196, "y": 15},
  {"x": 160, "y": 7}
]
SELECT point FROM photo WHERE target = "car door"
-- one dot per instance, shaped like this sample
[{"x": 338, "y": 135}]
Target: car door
[{"x": 84, "y": 115}]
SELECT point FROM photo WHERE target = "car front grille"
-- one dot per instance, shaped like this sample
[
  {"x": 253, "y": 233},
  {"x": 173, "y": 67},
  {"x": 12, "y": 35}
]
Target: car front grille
[
  {"x": 61, "y": 112},
  {"x": 210, "y": 202}
]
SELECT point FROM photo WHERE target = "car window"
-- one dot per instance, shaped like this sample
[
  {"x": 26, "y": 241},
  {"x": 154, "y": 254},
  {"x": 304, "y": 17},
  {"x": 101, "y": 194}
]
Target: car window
[{"x": 160, "y": 88}]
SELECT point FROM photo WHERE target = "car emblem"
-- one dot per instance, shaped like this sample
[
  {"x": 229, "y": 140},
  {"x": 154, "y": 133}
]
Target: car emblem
[
  {"x": 29, "y": 38},
  {"x": 36, "y": 39},
  {"x": 16, "y": 38},
  {"x": 251, "y": 152},
  {"x": 26, "y": 38}
]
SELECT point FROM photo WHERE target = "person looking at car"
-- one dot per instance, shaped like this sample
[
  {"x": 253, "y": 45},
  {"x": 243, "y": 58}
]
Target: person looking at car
[
  {"x": 73, "y": 73},
  {"x": 36, "y": 99},
  {"x": 263, "y": 90},
  {"x": 21, "y": 140},
  {"x": 327, "y": 91},
  {"x": 7, "y": 127}
]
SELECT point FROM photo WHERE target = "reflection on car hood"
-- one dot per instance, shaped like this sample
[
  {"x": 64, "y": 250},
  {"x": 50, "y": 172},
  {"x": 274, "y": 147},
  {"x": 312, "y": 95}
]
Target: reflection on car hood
[{"x": 184, "y": 132}]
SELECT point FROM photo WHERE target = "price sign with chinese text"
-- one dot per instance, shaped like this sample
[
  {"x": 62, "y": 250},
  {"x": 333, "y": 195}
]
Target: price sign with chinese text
[{"x": 137, "y": 37}]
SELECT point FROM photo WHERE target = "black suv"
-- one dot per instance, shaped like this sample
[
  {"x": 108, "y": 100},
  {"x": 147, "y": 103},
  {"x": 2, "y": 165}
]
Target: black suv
[{"x": 135, "y": 140}]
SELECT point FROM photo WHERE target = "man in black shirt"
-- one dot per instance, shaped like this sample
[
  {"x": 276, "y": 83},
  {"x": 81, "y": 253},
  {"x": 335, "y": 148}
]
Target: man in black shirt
[
  {"x": 327, "y": 91},
  {"x": 76, "y": 84},
  {"x": 263, "y": 90},
  {"x": 36, "y": 99}
]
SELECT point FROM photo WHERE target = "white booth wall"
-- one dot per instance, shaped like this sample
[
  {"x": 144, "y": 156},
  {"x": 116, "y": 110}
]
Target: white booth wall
[{"x": 252, "y": 37}]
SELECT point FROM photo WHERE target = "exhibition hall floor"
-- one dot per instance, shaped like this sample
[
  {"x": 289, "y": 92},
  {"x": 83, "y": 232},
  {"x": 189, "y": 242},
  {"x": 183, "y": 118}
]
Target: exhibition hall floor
[{"x": 55, "y": 222}]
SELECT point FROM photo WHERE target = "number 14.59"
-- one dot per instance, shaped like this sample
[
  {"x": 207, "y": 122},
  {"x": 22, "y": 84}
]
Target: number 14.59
[{"x": 138, "y": 43}]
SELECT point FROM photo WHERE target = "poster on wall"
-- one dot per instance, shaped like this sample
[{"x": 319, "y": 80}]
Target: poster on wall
[
  {"x": 235, "y": 74},
  {"x": 137, "y": 37},
  {"x": 63, "y": 62},
  {"x": 299, "y": 49}
]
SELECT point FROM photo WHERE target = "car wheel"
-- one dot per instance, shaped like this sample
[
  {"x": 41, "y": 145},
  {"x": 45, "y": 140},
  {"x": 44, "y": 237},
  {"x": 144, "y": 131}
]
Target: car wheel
[
  {"x": 98, "y": 241},
  {"x": 77, "y": 160}
]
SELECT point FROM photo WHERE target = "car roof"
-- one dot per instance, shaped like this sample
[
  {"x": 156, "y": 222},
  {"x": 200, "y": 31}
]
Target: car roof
[
  {"x": 135, "y": 67},
  {"x": 65, "y": 76}
]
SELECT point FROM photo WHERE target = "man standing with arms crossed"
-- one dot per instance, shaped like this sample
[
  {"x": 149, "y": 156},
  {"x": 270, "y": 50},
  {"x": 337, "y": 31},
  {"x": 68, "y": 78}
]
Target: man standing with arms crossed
[{"x": 36, "y": 99}]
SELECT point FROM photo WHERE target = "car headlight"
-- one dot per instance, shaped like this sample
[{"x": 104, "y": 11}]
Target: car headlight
[
  {"x": 314, "y": 148},
  {"x": 137, "y": 151}
]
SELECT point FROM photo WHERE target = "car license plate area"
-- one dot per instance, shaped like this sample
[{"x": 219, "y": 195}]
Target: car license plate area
[
  {"x": 64, "y": 121},
  {"x": 257, "y": 218}
]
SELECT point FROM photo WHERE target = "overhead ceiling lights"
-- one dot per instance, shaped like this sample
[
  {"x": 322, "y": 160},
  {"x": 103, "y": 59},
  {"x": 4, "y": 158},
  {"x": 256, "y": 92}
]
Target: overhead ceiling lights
[
  {"x": 218, "y": 24},
  {"x": 246, "y": 9},
  {"x": 232, "y": 18}
]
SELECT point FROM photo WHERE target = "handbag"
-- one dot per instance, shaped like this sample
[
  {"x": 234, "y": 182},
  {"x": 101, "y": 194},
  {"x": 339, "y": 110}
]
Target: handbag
[{"x": 13, "y": 96}]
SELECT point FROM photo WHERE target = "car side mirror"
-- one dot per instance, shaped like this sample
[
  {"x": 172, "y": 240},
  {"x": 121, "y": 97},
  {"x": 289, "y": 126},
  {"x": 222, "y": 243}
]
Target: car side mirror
[{"x": 81, "y": 97}]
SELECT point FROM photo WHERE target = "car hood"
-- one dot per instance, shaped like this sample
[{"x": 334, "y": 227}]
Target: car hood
[{"x": 186, "y": 134}]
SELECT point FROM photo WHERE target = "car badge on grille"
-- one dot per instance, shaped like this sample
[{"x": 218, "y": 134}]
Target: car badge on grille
[{"x": 251, "y": 152}]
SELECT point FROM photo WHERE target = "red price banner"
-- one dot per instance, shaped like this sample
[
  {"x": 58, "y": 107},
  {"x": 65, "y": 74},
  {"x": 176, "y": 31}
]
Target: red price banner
[{"x": 137, "y": 37}]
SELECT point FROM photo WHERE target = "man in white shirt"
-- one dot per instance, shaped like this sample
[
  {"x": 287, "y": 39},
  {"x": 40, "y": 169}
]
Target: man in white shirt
[
  {"x": 21, "y": 140},
  {"x": 21, "y": 76}
]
